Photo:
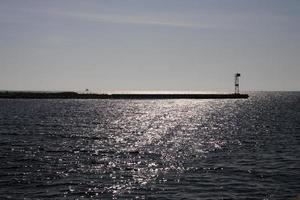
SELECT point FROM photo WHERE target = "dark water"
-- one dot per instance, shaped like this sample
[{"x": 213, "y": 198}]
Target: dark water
[{"x": 151, "y": 149}]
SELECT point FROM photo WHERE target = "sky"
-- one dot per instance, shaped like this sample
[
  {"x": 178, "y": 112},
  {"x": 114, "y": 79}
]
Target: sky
[{"x": 166, "y": 45}]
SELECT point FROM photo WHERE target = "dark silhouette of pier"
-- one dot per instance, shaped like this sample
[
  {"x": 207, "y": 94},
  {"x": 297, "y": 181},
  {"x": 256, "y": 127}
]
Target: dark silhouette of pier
[{"x": 75, "y": 95}]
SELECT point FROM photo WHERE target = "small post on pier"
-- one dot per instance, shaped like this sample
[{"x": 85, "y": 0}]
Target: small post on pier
[{"x": 237, "y": 83}]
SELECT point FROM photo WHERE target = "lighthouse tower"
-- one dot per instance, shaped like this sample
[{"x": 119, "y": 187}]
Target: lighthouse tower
[{"x": 237, "y": 83}]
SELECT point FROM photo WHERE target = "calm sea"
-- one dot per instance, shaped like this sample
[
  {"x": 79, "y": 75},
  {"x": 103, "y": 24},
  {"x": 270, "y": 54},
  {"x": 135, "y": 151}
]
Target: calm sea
[{"x": 151, "y": 149}]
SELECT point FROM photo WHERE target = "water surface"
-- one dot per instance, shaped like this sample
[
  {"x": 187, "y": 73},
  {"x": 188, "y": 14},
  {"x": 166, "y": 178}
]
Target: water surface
[{"x": 151, "y": 149}]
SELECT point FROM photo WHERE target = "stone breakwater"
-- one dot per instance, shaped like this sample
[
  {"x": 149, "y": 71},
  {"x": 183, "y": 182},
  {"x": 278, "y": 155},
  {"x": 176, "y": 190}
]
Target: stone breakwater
[{"x": 75, "y": 95}]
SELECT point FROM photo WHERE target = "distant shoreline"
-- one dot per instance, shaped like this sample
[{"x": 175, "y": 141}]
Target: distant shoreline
[{"x": 75, "y": 95}]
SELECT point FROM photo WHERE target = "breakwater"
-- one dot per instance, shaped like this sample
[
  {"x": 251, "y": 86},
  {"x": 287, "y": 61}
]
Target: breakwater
[{"x": 75, "y": 95}]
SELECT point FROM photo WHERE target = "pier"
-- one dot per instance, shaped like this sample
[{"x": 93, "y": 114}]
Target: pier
[{"x": 75, "y": 95}]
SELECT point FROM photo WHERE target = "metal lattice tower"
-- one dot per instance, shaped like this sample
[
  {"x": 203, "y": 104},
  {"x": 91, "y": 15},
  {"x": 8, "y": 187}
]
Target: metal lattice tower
[{"x": 237, "y": 83}]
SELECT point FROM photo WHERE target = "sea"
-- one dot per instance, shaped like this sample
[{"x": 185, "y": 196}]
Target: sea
[{"x": 151, "y": 149}]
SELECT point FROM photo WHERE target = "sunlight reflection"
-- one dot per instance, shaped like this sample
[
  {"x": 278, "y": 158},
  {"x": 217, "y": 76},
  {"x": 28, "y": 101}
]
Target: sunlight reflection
[{"x": 150, "y": 138}]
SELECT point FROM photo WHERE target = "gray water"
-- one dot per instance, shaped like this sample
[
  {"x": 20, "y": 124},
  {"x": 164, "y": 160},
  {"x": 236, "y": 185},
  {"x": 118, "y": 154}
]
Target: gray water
[{"x": 151, "y": 149}]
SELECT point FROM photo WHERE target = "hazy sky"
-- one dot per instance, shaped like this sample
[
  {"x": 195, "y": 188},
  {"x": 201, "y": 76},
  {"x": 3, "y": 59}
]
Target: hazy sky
[{"x": 149, "y": 44}]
